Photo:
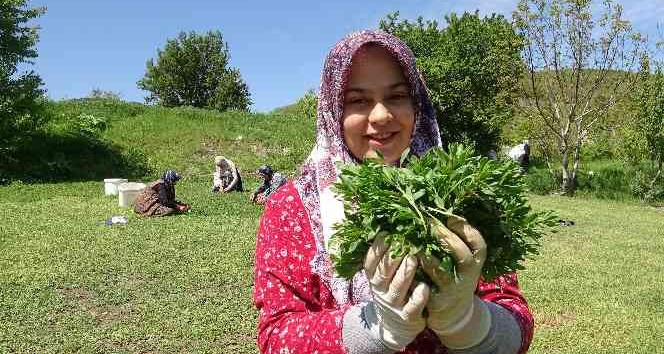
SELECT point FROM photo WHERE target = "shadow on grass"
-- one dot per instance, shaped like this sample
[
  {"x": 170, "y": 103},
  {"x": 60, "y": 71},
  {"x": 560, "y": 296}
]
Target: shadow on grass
[{"x": 70, "y": 157}]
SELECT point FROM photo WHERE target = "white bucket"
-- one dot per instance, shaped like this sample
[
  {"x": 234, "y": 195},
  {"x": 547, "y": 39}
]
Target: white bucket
[
  {"x": 127, "y": 193},
  {"x": 111, "y": 185}
]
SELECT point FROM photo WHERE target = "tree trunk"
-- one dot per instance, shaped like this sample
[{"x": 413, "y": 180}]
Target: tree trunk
[
  {"x": 575, "y": 167},
  {"x": 568, "y": 185},
  {"x": 651, "y": 188}
]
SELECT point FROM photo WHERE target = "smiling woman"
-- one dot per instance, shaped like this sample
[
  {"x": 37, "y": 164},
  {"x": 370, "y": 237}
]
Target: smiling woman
[
  {"x": 372, "y": 99},
  {"x": 378, "y": 110}
]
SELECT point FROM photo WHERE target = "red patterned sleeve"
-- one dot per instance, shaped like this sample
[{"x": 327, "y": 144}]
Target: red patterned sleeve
[
  {"x": 504, "y": 291},
  {"x": 297, "y": 314}
]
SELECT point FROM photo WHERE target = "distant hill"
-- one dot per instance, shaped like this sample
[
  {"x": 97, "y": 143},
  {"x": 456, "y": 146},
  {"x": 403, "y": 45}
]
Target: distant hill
[{"x": 142, "y": 140}]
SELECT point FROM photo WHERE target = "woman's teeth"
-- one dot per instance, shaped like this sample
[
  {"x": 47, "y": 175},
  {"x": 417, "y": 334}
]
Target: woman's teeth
[{"x": 381, "y": 136}]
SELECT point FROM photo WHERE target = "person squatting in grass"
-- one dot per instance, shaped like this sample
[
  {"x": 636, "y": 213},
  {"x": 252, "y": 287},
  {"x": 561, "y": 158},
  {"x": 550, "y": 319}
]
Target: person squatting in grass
[
  {"x": 226, "y": 176},
  {"x": 271, "y": 182},
  {"x": 372, "y": 98},
  {"x": 158, "y": 198}
]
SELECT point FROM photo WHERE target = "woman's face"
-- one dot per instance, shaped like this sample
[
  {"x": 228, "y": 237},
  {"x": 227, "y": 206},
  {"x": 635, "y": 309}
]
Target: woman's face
[{"x": 378, "y": 110}]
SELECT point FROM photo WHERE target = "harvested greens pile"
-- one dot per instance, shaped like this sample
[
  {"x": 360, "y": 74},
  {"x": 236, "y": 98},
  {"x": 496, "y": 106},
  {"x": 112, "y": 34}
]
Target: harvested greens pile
[{"x": 399, "y": 202}]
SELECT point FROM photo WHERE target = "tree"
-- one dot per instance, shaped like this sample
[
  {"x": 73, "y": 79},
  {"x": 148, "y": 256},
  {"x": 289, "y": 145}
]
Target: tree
[
  {"x": 98, "y": 93},
  {"x": 20, "y": 92},
  {"x": 579, "y": 66},
  {"x": 645, "y": 136},
  {"x": 192, "y": 70},
  {"x": 471, "y": 68}
]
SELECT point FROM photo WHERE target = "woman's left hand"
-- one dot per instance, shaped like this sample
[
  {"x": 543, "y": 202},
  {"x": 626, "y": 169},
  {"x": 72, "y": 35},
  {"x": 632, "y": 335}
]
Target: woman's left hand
[{"x": 456, "y": 315}]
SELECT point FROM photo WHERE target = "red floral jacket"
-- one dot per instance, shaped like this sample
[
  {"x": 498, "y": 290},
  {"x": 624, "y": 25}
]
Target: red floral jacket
[{"x": 298, "y": 313}]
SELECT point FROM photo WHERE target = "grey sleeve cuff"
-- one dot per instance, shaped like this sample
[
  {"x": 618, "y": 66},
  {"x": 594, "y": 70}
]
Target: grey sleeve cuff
[
  {"x": 504, "y": 336},
  {"x": 356, "y": 335}
]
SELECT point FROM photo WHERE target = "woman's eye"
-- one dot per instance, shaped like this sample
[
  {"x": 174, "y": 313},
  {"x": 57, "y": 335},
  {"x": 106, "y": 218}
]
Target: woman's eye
[
  {"x": 399, "y": 97},
  {"x": 356, "y": 101}
]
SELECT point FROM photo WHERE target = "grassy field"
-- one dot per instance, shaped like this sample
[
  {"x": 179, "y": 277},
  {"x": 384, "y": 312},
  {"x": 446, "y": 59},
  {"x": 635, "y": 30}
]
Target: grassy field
[{"x": 183, "y": 284}]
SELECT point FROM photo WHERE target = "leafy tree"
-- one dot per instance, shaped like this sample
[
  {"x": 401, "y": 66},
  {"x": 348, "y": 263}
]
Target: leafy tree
[
  {"x": 20, "y": 92},
  {"x": 471, "y": 68},
  {"x": 579, "y": 66},
  {"x": 645, "y": 136},
  {"x": 305, "y": 107},
  {"x": 192, "y": 70},
  {"x": 105, "y": 94}
]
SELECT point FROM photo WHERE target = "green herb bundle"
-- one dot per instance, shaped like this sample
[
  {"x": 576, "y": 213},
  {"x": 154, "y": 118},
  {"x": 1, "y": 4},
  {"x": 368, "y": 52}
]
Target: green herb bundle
[{"x": 399, "y": 202}]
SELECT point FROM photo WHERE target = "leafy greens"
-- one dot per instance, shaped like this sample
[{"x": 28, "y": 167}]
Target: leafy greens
[{"x": 398, "y": 201}]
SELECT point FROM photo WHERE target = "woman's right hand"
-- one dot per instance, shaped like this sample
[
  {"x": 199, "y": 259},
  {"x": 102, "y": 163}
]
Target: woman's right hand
[{"x": 396, "y": 315}]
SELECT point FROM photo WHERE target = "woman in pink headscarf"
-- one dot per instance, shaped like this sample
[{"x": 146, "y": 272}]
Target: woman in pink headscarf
[{"x": 373, "y": 99}]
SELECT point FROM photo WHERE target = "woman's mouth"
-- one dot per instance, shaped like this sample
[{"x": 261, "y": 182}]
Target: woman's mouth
[{"x": 381, "y": 139}]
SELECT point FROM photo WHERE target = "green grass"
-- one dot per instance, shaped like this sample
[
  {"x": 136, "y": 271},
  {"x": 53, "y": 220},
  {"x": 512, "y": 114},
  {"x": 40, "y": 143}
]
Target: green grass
[
  {"x": 170, "y": 284},
  {"x": 598, "y": 286},
  {"x": 184, "y": 283}
]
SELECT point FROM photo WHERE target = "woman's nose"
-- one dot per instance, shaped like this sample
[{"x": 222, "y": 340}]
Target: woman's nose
[{"x": 380, "y": 114}]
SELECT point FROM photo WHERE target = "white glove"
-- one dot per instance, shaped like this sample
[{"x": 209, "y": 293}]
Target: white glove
[
  {"x": 394, "y": 318},
  {"x": 456, "y": 315}
]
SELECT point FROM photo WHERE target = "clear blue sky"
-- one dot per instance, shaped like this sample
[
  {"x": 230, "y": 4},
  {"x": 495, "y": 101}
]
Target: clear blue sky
[{"x": 279, "y": 46}]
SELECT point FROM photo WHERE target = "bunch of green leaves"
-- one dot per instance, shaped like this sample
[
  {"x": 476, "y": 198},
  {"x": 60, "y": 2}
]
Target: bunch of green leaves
[{"x": 400, "y": 201}]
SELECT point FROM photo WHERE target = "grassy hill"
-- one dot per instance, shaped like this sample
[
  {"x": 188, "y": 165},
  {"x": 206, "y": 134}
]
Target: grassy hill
[
  {"x": 144, "y": 140},
  {"x": 183, "y": 284}
]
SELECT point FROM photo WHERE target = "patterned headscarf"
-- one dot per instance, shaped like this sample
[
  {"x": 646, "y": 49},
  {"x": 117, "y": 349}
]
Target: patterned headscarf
[
  {"x": 318, "y": 172},
  {"x": 170, "y": 177}
]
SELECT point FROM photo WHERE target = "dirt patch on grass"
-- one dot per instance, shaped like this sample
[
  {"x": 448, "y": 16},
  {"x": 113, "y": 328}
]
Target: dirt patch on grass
[
  {"x": 78, "y": 298},
  {"x": 554, "y": 320},
  {"x": 76, "y": 293}
]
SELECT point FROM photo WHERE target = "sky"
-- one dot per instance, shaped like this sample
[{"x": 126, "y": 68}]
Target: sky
[{"x": 278, "y": 46}]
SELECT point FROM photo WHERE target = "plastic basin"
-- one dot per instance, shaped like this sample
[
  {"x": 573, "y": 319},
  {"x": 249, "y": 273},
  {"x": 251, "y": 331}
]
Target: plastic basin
[
  {"x": 111, "y": 185},
  {"x": 127, "y": 193}
]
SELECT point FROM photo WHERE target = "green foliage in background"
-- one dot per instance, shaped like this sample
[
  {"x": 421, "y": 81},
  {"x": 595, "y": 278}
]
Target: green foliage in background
[
  {"x": 580, "y": 56},
  {"x": 93, "y": 138},
  {"x": 645, "y": 135},
  {"x": 192, "y": 70},
  {"x": 73, "y": 145},
  {"x": 20, "y": 92},
  {"x": 471, "y": 68},
  {"x": 305, "y": 107},
  {"x": 400, "y": 202}
]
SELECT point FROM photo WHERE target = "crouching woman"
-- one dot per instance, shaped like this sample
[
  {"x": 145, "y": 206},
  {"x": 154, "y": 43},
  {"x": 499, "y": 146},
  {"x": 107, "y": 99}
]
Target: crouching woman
[{"x": 158, "y": 198}]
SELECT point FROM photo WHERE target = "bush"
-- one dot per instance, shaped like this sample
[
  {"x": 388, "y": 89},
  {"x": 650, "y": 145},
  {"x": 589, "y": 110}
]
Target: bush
[
  {"x": 642, "y": 186},
  {"x": 542, "y": 180},
  {"x": 305, "y": 107},
  {"x": 107, "y": 108},
  {"x": 72, "y": 146},
  {"x": 105, "y": 94},
  {"x": 609, "y": 182},
  {"x": 192, "y": 71},
  {"x": 604, "y": 180},
  {"x": 88, "y": 125},
  {"x": 20, "y": 92}
]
